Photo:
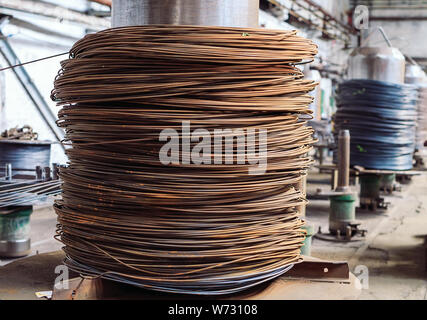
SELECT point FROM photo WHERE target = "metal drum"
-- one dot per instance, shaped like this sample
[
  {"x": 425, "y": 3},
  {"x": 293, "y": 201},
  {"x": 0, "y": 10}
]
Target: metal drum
[
  {"x": 227, "y": 13},
  {"x": 377, "y": 63},
  {"x": 414, "y": 74},
  {"x": 24, "y": 155}
]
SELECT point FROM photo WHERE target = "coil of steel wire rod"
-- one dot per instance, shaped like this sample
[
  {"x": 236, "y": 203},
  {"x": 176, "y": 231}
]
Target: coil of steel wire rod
[
  {"x": 421, "y": 133},
  {"x": 381, "y": 117},
  {"x": 195, "y": 228}
]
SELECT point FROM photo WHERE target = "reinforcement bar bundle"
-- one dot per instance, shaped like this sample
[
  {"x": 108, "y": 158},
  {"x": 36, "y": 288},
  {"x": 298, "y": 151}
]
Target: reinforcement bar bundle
[
  {"x": 206, "y": 228},
  {"x": 381, "y": 117}
]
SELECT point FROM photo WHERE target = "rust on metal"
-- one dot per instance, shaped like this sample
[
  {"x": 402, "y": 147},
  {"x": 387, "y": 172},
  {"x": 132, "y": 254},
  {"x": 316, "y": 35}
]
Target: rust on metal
[{"x": 182, "y": 228}]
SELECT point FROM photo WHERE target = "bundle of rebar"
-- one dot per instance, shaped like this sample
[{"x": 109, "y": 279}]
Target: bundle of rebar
[
  {"x": 381, "y": 117},
  {"x": 23, "y": 193},
  {"x": 206, "y": 228}
]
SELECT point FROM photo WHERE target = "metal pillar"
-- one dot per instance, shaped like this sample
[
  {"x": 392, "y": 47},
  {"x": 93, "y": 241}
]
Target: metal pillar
[
  {"x": 227, "y": 13},
  {"x": 343, "y": 160}
]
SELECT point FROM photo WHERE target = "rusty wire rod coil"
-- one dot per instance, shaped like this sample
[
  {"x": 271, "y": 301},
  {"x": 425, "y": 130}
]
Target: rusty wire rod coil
[{"x": 206, "y": 229}]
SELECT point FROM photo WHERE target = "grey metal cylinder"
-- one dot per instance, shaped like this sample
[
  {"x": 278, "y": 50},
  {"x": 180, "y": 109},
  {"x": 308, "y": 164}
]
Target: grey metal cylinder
[
  {"x": 414, "y": 74},
  {"x": 15, "y": 248},
  {"x": 343, "y": 159},
  {"x": 377, "y": 63},
  {"x": 227, "y": 13},
  {"x": 24, "y": 154},
  {"x": 15, "y": 231}
]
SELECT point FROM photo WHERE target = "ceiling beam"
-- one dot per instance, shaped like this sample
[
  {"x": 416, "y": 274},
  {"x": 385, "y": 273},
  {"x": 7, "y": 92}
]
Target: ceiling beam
[{"x": 54, "y": 11}]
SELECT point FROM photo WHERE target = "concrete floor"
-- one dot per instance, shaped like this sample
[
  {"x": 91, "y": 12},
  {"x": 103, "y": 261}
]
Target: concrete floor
[{"x": 394, "y": 251}]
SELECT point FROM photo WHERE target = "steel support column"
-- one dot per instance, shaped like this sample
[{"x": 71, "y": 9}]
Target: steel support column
[{"x": 343, "y": 160}]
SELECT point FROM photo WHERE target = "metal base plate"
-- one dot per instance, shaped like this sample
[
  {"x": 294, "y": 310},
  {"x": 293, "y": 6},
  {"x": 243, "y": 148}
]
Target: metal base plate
[
  {"x": 372, "y": 209},
  {"x": 332, "y": 237}
]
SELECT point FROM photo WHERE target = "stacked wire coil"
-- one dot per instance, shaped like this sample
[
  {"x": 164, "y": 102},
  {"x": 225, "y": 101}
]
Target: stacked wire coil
[
  {"x": 182, "y": 228},
  {"x": 421, "y": 133},
  {"x": 381, "y": 117}
]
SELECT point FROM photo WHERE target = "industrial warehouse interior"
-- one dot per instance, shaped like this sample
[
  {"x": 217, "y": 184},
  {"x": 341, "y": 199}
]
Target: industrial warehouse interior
[{"x": 242, "y": 150}]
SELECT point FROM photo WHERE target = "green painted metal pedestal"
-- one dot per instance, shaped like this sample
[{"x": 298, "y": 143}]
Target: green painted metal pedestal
[{"x": 15, "y": 231}]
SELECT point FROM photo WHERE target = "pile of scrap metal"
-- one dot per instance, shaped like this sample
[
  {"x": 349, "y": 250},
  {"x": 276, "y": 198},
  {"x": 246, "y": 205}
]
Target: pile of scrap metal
[{"x": 24, "y": 133}]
